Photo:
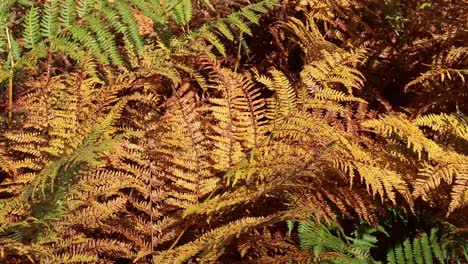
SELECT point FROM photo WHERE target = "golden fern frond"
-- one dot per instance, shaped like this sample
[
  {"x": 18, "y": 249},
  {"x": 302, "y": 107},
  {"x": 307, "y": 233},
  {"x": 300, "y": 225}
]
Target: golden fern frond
[
  {"x": 345, "y": 156},
  {"x": 362, "y": 205},
  {"x": 184, "y": 150},
  {"x": 212, "y": 242},
  {"x": 58, "y": 111},
  {"x": 334, "y": 95},
  {"x": 266, "y": 246},
  {"x": 237, "y": 109},
  {"x": 245, "y": 103},
  {"x": 385, "y": 182},
  {"x": 228, "y": 199},
  {"x": 459, "y": 195},
  {"x": 6, "y": 163},
  {"x": 447, "y": 66},
  {"x": 156, "y": 60},
  {"x": 11, "y": 247},
  {"x": 308, "y": 36},
  {"x": 436, "y": 74},
  {"x": 94, "y": 213},
  {"x": 454, "y": 174},
  {"x": 334, "y": 68},
  {"x": 285, "y": 99},
  {"x": 336, "y": 15},
  {"x": 77, "y": 248},
  {"x": 441, "y": 164},
  {"x": 393, "y": 125},
  {"x": 327, "y": 105},
  {"x": 455, "y": 124}
]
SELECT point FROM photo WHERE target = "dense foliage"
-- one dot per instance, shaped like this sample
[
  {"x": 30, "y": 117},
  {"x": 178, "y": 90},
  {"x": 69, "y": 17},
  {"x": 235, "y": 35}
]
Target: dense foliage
[{"x": 180, "y": 131}]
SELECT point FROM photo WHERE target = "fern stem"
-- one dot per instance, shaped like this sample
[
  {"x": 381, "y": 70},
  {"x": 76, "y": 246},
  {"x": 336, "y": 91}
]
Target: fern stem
[
  {"x": 10, "y": 84},
  {"x": 177, "y": 239},
  {"x": 238, "y": 53}
]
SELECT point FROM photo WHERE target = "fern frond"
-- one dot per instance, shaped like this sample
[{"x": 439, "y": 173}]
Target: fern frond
[
  {"x": 455, "y": 124},
  {"x": 67, "y": 13},
  {"x": 181, "y": 11},
  {"x": 425, "y": 249},
  {"x": 336, "y": 68},
  {"x": 330, "y": 248},
  {"x": 31, "y": 24},
  {"x": 49, "y": 19},
  {"x": 286, "y": 100},
  {"x": 191, "y": 172},
  {"x": 211, "y": 243},
  {"x": 391, "y": 125},
  {"x": 443, "y": 164},
  {"x": 309, "y": 38},
  {"x": 132, "y": 29},
  {"x": 84, "y": 7},
  {"x": 83, "y": 36},
  {"x": 211, "y": 38},
  {"x": 105, "y": 39}
]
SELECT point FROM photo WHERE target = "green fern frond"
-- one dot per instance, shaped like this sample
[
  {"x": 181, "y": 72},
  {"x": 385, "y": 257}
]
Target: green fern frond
[
  {"x": 84, "y": 7},
  {"x": 211, "y": 38},
  {"x": 426, "y": 249},
  {"x": 31, "y": 24},
  {"x": 128, "y": 18},
  {"x": 224, "y": 30},
  {"x": 327, "y": 247},
  {"x": 105, "y": 39},
  {"x": 64, "y": 44},
  {"x": 49, "y": 25},
  {"x": 83, "y": 36},
  {"x": 236, "y": 20},
  {"x": 67, "y": 13},
  {"x": 181, "y": 11},
  {"x": 151, "y": 9}
]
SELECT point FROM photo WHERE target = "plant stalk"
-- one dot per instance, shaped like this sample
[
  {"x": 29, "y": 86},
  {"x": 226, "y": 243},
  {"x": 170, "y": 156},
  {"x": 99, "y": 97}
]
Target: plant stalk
[{"x": 10, "y": 84}]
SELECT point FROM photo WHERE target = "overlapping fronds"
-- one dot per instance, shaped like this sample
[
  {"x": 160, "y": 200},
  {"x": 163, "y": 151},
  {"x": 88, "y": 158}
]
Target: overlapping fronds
[
  {"x": 210, "y": 246},
  {"x": 327, "y": 247},
  {"x": 239, "y": 116},
  {"x": 308, "y": 36},
  {"x": 336, "y": 68},
  {"x": 136, "y": 142},
  {"x": 429, "y": 248},
  {"x": 336, "y": 16},
  {"x": 455, "y": 124},
  {"x": 190, "y": 173},
  {"x": 446, "y": 76},
  {"x": 230, "y": 28},
  {"x": 338, "y": 150},
  {"x": 58, "y": 118},
  {"x": 439, "y": 163},
  {"x": 37, "y": 224},
  {"x": 74, "y": 27},
  {"x": 446, "y": 67}
]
